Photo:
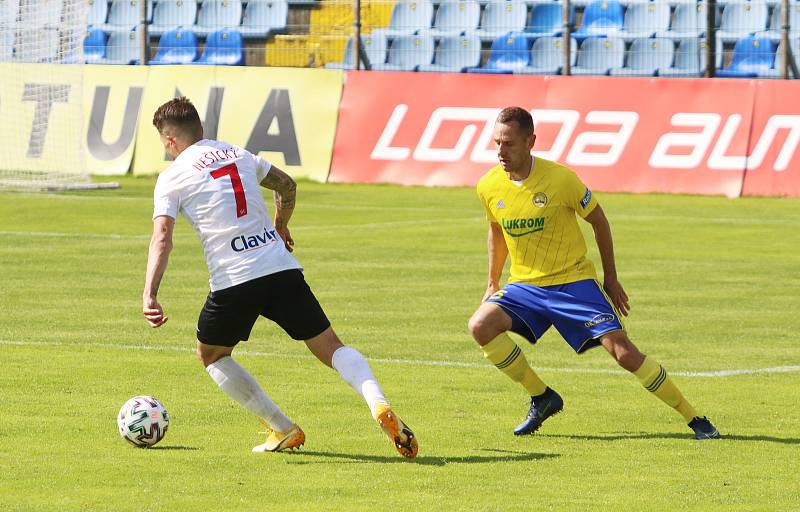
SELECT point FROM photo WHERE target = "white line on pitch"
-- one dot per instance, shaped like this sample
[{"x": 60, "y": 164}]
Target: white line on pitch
[{"x": 409, "y": 362}]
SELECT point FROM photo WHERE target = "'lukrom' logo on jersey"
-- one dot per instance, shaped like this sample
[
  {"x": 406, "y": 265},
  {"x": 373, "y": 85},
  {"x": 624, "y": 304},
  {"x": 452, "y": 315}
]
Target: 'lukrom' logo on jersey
[
  {"x": 521, "y": 227},
  {"x": 246, "y": 243}
]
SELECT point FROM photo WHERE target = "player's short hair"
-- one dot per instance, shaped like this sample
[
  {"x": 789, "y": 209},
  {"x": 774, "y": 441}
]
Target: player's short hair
[
  {"x": 520, "y": 115},
  {"x": 180, "y": 115}
]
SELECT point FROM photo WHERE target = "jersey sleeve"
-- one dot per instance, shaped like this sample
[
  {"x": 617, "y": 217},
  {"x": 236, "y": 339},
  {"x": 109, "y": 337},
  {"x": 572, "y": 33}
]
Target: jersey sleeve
[
  {"x": 262, "y": 167},
  {"x": 485, "y": 203},
  {"x": 166, "y": 201},
  {"x": 580, "y": 198}
]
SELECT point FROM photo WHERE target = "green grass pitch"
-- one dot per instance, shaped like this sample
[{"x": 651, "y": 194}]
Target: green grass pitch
[{"x": 713, "y": 284}]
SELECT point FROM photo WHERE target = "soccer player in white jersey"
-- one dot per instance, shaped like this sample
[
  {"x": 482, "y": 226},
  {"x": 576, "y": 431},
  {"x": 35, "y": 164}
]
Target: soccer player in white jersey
[
  {"x": 215, "y": 185},
  {"x": 532, "y": 205}
]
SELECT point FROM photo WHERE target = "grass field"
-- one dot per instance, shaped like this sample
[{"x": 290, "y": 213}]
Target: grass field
[{"x": 714, "y": 290}]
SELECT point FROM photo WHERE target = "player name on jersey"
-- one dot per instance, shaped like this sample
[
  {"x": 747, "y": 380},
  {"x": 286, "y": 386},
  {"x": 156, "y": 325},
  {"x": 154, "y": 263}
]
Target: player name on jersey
[{"x": 210, "y": 157}]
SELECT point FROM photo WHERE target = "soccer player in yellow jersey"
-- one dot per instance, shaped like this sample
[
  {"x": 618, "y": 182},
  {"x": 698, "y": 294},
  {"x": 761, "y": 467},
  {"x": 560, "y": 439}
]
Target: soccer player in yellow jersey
[{"x": 531, "y": 204}]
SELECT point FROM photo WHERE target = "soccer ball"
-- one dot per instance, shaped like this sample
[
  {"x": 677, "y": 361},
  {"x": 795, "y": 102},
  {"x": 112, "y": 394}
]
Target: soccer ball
[{"x": 143, "y": 421}]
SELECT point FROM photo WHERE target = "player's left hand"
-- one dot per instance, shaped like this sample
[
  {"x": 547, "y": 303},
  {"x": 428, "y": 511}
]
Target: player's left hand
[
  {"x": 154, "y": 313},
  {"x": 616, "y": 293},
  {"x": 286, "y": 236}
]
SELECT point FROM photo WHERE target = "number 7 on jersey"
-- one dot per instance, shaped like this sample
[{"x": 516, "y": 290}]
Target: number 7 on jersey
[{"x": 236, "y": 182}]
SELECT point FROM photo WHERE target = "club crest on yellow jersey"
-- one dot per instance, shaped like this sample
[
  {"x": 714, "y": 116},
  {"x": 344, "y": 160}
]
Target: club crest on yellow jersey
[{"x": 540, "y": 199}]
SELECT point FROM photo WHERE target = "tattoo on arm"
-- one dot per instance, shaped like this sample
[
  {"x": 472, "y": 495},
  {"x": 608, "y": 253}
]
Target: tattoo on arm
[{"x": 284, "y": 187}]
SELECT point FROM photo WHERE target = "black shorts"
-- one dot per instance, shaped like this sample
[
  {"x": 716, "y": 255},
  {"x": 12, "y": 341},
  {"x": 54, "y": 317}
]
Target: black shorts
[{"x": 228, "y": 315}]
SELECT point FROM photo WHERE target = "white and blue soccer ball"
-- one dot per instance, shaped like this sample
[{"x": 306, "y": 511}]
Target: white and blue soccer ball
[{"x": 143, "y": 421}]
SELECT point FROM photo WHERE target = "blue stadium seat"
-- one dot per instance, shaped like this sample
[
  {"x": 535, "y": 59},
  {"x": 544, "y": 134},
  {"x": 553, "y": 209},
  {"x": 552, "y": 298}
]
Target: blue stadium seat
[
  {"x": 407, "y": 52},
  {"x": 263, "y": 18},
  {"x": 177, "y": 46},
  {"x": 508, "y": 54},
  {"x": 597, "y": 56},
  {"x": 122, "y": 48},
  {"x": 124, "y": 15},
  {"x": 741, "y": 19},
  {"x": 172, "y": 14},
  {"x": 645, "y": 19},
  {"x": 94, "y": 46},
  {"x": 688, "y": 21},
  {"x": 408, "y": 17},
  {"x": 646, "y": 56},
  {"x": 217, "y": 14},
  {"x": 547, "y": 56},
  {"x": 501, "y": 17},
  {"x": 547, "y": 19},
  {"x": 455, "y": 17},
  {"x": 690, "y": 59},
  {"x": 600, "y": 18},
  {"x": 223, "y": 48},
  {"x": 98, "y": 12},
  {"x": 751, "y": 56},
  {"x": 455, "y": 54},
  {"x": 374, "y": 46}
]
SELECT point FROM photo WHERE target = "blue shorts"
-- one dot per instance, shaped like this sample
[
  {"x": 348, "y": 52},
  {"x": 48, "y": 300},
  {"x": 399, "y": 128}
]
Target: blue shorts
[{"x": 580, "y": 311}]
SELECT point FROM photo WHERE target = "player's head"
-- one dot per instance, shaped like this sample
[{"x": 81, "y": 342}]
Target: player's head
[
  {"x": 514, "y": 138},
  {"x": 178, "y": 125}
]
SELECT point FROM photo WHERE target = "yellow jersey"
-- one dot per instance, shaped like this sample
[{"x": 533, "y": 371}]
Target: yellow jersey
[{"x": 539, "y": 225}]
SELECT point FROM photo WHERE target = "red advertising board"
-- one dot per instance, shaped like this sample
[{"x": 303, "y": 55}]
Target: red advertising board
[{"x": 618, "y": 134}]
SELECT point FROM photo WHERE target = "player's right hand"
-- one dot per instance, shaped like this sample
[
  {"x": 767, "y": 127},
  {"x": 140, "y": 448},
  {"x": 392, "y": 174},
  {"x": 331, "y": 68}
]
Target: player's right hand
[{"x": 154, "y": 314}]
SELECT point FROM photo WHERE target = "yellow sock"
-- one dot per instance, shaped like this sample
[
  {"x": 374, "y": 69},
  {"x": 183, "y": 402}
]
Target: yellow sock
[
  {"x": 509, "y": 359},
  {"x": 654, "y": 378}
]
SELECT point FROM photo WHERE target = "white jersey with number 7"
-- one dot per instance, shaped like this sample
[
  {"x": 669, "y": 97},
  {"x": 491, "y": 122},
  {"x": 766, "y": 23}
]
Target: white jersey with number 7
[{"x": 216, "y": 186}]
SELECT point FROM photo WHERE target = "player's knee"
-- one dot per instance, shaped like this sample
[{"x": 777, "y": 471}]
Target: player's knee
[{"x": 482, "y": 328}]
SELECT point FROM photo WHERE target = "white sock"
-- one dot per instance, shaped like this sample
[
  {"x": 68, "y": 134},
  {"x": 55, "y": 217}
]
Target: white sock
[
  {"x": 238, "y": 384},
  {"x": 354, "y": 369}
]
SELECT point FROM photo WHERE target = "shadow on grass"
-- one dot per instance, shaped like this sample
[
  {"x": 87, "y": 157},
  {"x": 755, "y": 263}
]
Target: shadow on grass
[
  {"x": 173, "y": 447},
  {"x": 664, "y": 435},
  {"x": 429, "y": 460}
]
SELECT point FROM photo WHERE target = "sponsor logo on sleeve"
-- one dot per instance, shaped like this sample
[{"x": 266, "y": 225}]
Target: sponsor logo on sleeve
[{"x": 586, "y": 198}]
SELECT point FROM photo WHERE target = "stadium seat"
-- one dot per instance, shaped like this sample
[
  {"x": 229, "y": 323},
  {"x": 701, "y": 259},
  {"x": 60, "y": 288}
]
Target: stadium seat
[
  {"x": 600, "y": 18},
  {"x": 374, "y": 46},
  {"x": 751, "y": 55},
  {"x": 741, "y": 19},
  {"x": 645, "y": 19},
  {"x": 8, "y": 13},
  {"x": 263, "y": 18},
  {"x": 455, "y": 17},
  {"x": 597, "y": 56},
  {"x": 122, "y": 48},
  {"x": 646, "y": 56},
  {"x": 177, "y": 46},
  {"x": 37, "y": 46},
  {"x": 455, "y": 54},
  {"x": 689, "y": 20},
  {"x": 98, "y": 12},
  {"x": 547, "y": 56},
  {"x": 223, "y": 48},
  {"x": 409, "y": 16},
  {"x": 547, "y": 19},
  {"x": 501, "y": 17},
  {"x": 776, "y": 71},
  {"x": 217, "y": 14},
  {"x": 774, "y": 31},
  {"x": 690, "y": 59},
  {"x": 94, "y": 46},
  {"x": 35, "y": 15},
  {"x": 170, "y": 15},
  {"x": 508, "y": 54},
  {"x": 407, "y": 52},
  {"x": 124, "y": 15}
]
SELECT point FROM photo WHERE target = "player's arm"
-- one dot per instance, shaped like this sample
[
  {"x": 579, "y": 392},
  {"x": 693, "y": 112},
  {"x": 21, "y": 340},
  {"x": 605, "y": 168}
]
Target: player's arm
[
  {"x": 285, "y": 191},
  {"x": 157, "y": 259},
  {"x": 498, "y": 252},
  {"x": 605, "y": 244}
]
